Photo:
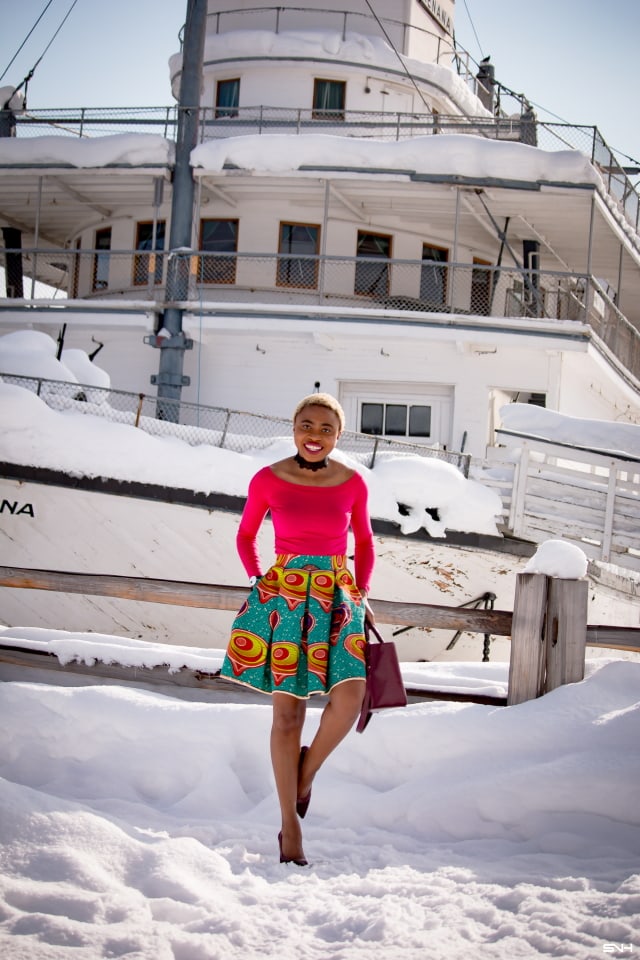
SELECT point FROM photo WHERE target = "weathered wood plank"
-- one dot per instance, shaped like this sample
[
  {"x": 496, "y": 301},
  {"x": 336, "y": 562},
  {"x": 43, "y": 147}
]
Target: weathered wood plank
[
  {"x": 615, "y": 638},
  {"x": 526, "y": 664},
  {"x": 565, "y": 632},
  {"x": 223, "y": 597}
]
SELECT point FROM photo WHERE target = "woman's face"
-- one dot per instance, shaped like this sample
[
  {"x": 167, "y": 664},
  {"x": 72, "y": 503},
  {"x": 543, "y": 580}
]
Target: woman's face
[{"x": 316, "y": 430}]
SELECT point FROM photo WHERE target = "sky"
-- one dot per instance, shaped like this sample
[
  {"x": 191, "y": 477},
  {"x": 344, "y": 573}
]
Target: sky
[{"x": 576, "y": 59}]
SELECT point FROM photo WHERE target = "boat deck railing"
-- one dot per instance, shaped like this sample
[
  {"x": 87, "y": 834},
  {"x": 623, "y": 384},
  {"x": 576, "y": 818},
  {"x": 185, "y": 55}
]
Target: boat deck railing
[
  {"x": 420, "y": 291},
  {"x": 374, "y": 125}
]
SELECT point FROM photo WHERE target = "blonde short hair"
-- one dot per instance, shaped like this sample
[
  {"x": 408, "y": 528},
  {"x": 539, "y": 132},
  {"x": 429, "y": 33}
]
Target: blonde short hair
[{"x": 322, "y": 400}]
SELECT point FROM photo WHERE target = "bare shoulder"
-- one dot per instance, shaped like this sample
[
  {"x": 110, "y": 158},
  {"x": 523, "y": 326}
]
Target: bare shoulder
[
  {"x": 285, "y": 469},
  {"x": 342, "y": 472}
]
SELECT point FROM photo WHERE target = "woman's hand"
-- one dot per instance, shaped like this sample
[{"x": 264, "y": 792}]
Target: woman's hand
[{"x": 369, "y": 615}]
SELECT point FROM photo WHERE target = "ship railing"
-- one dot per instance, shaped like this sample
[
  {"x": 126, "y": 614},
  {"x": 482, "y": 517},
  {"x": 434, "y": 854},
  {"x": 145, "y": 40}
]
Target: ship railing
[
  {"x": 387, "y": 125},
  {"x": 198, "y": 424},
  {"x": 410, "y": 39},
  {"x": 375, "y": 125},
  {"x": 411, "y": 288}
]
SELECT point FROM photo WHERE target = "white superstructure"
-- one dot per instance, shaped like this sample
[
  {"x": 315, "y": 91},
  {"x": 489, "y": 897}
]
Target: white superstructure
[{"x": 366, "y": 218}]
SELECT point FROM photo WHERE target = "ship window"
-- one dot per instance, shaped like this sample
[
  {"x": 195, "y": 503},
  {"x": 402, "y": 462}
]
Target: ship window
[
  {"x": 300, "y": 240},
  {"x": 433, "y": 276},
  {"x": 481, "y": 287},
  {"x": 148, "y": 263},
  {"x": 395, "y": 419},
  {"x": 328, "y": 99},
  {"x": 219, "y": 240},
  {"x": 101, "y": 259},
  {"x": 75, "y": 274},
  {"x": 227, "y": 98},
  {"x": 372, "y": 279}
]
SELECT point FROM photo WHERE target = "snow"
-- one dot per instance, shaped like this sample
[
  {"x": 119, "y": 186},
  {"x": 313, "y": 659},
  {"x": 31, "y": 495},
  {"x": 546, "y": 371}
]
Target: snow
[
  {"x": 455, "y": 154},
  {"x": 71, "y": 440},
  {"x": 463, "y": 155},
  {"x": 601, "y": 435},
  {"x": 327, "y": 45},
  {"x": 555, "y": 558},
  {"x": 25, "y": 350},
  {"x": 32, "y": 433},
  {"x": 14, "y": 101},
  {"x": 139, "y": 824},
  {"x": 123, "y": 149}
]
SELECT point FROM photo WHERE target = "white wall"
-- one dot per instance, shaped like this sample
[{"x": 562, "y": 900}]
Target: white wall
[{"x": 278, "y": 366}]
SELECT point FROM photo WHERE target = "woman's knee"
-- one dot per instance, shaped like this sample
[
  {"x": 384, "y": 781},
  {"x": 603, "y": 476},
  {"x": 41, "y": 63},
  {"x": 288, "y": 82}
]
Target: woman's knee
[
  {"x": 288, "y": 714},
  {"x": 347, "y": 697}
]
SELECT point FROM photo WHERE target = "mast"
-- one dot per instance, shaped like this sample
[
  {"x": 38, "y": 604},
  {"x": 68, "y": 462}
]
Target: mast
[
  {"x": 11, "y": 236},
  {"x": 170, "y": 379}
]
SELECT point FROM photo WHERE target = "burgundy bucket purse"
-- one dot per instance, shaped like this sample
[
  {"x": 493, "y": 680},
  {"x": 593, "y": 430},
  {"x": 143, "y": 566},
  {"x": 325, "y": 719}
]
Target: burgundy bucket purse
[{"x": 384, "y": 681}]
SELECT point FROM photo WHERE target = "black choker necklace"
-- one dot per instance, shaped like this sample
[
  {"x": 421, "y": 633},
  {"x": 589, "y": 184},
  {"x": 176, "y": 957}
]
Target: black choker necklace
[{"x": 311, "y": 464}]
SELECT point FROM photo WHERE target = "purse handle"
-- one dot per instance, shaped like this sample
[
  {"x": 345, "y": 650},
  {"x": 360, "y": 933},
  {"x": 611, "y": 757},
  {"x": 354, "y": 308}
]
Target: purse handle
[{"x": 371, "y": 628}]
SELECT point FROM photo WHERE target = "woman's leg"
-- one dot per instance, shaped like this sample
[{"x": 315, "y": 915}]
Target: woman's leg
[
  {"x": 288, "y": 720},
  {"x": 338, "y": 717}
]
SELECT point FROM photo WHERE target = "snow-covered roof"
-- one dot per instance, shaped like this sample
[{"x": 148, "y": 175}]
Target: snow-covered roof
[
  {"x": 447, "y": 155},
  {"x": 456, "y": 155},
  {"x": 123, "y": 149},
  {"x": 369, "y": 52}
]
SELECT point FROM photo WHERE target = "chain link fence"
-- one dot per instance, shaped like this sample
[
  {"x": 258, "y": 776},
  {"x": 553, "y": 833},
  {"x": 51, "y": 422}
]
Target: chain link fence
[
  {"x": 197, "y": 424},
  {"x": 217, "y": 123},
  {"x": 436, "y": 286},
  {"x": 244, "y": 121},
  {"x": 202, "y": 279}
]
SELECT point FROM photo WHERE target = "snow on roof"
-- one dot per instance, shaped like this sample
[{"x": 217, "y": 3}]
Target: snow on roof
[
  {"x": 355, "y": 48},
  {"x": 604, "y": 435},
  {"x": 455, "y": 155},
  {"x": 130, "y": 149}
]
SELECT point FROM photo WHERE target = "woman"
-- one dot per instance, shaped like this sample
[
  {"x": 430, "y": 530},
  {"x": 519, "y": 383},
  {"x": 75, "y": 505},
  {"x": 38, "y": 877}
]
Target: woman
[{"x": 301, "y": 629}]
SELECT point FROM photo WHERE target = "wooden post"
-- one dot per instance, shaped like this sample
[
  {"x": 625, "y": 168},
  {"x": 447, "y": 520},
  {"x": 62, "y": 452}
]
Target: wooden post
[
  {"x": 565, "y": 632},
  {"x": 527, "y": 663}
]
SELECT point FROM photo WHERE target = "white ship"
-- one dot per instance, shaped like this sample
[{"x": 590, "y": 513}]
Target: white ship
[{"x": 353, "y": 205}]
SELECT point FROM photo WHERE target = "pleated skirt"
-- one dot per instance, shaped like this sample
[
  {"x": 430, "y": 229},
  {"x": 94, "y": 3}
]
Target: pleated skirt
[{"x": 301, "y": 629}]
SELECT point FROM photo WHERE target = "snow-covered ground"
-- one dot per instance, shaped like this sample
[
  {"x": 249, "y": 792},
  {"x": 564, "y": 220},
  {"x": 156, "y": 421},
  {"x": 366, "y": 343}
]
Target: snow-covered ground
[{"x": 136, "y": 825}]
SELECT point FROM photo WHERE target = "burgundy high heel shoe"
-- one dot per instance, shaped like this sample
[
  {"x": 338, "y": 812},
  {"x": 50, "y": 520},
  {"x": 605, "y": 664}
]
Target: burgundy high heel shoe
[
  {"x": 302, "y": 803},
  {"x": 299, "y": 861}
]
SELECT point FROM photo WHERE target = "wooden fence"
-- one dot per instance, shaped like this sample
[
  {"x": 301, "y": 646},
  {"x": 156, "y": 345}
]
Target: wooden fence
[
  {"x": 584, "y": 496},
  {"x": 548, "y": 626}
]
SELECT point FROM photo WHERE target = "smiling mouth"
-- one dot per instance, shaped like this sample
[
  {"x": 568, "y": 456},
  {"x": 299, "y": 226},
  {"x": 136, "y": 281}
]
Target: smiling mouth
[{"x": 313, "y": 448}]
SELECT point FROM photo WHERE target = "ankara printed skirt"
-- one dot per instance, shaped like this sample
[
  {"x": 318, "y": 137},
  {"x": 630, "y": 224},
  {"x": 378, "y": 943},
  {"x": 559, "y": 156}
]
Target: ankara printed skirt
[{"x": 301, "y": 629}]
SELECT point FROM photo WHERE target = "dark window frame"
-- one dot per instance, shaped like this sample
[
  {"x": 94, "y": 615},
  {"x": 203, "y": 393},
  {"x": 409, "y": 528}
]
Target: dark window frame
[
  {"x": 227, "y": 105},
  {"x": 75, "y": 273},
  {"x": 101, "y": 259},
  {"x": 434, "y": 276},
  {"x": 141, "y": 263},
  {"x": 481, "y": 294},
  {"x": 324, "y": 107},
  {"x": 372, "y": 280},
  {"x": 385, "y": 414},
  {"x": 299, "y": 271},
  {"x": 218, "y": 266}
]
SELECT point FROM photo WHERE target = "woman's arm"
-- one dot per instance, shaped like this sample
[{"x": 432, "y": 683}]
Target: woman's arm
[
  {"x": 363, "y": 535},
  {"x": 253, "y": 514}
]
